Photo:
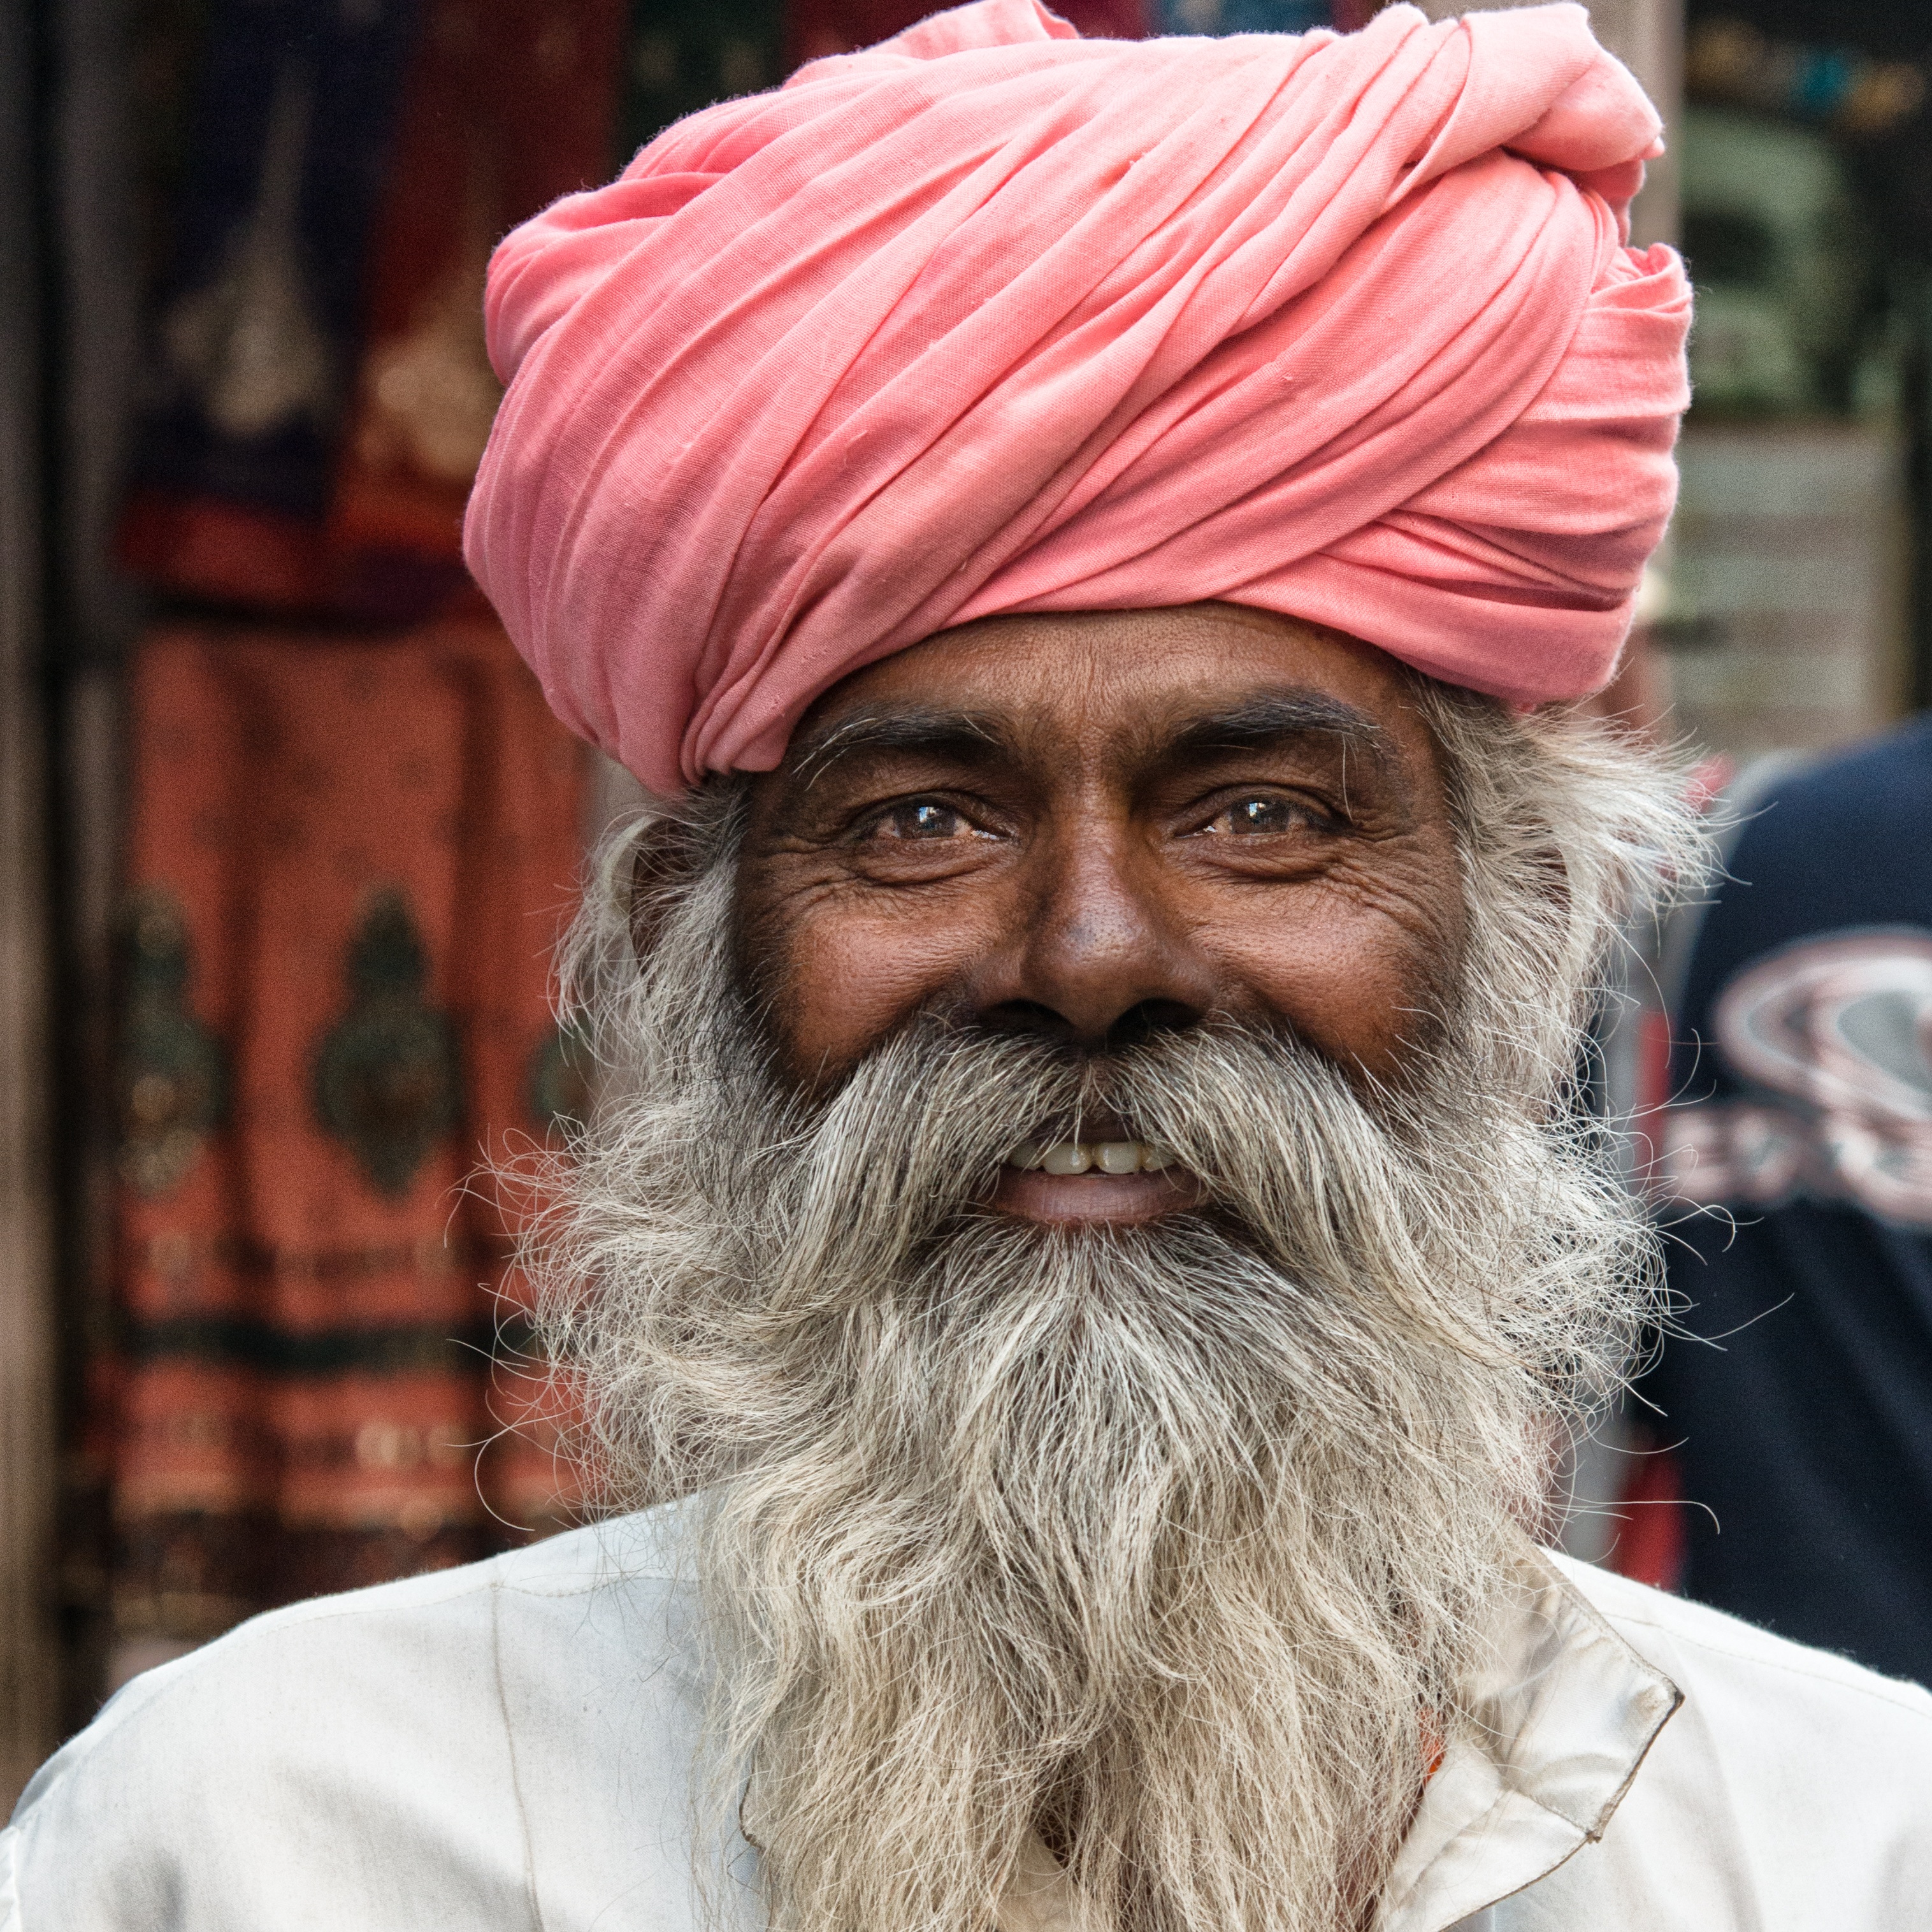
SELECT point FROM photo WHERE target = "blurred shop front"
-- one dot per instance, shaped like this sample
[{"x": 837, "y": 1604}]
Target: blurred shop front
[
  {"x": 1791, "y": 620},
  {"x": 288, "y": 831}
]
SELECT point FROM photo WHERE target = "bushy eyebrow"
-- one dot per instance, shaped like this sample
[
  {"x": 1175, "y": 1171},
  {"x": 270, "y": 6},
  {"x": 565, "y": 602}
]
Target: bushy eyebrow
[
  {"x": 1255, "y": 722},
  {"x": 1271, "y": 717},
  {"x": 927, "y": 730}
]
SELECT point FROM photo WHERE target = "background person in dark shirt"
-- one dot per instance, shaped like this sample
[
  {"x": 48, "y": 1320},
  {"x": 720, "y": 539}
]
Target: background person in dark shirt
[{"x": 1802, "y": 1066}]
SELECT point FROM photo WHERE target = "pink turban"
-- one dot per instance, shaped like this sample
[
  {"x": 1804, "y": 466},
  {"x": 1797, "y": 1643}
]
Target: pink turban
[{"x": 990, "y": 318}]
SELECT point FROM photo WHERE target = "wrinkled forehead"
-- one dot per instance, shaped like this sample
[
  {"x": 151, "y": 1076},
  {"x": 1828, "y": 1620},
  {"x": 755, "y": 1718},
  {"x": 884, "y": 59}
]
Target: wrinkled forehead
[{"x": 1111, "y": 695}]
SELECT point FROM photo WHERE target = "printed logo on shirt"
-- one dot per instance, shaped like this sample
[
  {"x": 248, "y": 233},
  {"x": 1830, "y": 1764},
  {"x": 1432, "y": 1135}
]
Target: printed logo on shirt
[{"x": 1834, "y": 1036}]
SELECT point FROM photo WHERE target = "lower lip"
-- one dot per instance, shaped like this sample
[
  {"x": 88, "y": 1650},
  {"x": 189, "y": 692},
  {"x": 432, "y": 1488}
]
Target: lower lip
[{"x": 1034, "y": 1195}]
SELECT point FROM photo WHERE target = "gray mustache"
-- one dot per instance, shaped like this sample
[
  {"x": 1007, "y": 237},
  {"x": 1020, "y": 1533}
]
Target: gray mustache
[
  {"x": 944, "y": 1102},
  {"x": 1297, "y": 1170}
]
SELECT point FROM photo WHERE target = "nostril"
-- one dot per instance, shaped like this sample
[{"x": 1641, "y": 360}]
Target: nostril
[
  {"x": 1149, "y": 1018},
  {"x": 1027, "y": 1016},
  {"x": 1140, "y": 1022}
]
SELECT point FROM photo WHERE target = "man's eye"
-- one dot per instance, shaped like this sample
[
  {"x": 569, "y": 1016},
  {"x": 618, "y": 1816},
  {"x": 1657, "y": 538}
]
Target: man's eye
[
  {"x": 1261, "y": 815},
  {"x": 923, "y": 821}
]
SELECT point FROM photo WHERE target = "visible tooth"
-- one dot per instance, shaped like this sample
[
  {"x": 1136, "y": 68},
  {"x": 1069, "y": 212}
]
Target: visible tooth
[
  {"x": 1153, "y": 1159},
  {"x": 1117, "y": 1156},
  {"x": 1028, "y": 1154},
  {"x": 1067, "y": 1157}
]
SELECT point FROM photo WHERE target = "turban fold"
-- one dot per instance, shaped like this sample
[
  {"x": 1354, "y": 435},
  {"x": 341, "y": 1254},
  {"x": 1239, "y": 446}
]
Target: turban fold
[{"x": 989, "y": 318}]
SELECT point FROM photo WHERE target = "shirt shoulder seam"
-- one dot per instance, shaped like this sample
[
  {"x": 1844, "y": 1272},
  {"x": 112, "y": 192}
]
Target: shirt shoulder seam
[
  {"x": 247, "y": 1635},
  {"x": 1854, "y": 1677}
]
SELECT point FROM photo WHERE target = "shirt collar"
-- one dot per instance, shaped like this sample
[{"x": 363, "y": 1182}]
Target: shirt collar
[{"x": 1563, "y": 1712}]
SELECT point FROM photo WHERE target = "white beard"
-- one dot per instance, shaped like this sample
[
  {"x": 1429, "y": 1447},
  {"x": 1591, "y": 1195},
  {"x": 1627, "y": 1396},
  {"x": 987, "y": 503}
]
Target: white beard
[{"x": 1173, "y": 1542}]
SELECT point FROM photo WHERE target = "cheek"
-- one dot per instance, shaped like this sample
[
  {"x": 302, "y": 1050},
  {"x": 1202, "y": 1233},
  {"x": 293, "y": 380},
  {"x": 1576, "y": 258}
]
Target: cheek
[
  {"x": 1359, "y": 980},
  {"x": 841, "y": 979}
]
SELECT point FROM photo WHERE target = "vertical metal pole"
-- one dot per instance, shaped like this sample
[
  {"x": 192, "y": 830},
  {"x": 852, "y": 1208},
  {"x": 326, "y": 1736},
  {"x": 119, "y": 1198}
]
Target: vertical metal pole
[{"x": 92, "y": 193}]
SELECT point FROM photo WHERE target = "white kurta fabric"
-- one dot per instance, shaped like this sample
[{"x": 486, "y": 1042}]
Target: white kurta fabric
[{"x": 508, "y": 1746}]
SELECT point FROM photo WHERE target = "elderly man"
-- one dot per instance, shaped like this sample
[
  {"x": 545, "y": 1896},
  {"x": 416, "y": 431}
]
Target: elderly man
[{"x": 1087, "y": 1253}]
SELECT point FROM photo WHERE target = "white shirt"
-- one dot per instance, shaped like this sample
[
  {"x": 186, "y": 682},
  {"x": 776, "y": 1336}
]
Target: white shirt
[{"x": 509, "y": 1745}]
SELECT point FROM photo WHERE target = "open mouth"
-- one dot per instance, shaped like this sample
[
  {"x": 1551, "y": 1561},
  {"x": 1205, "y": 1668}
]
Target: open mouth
[
  {"x": 1098, "y": 1177},
  {"x": 1090, "y": 1157}
]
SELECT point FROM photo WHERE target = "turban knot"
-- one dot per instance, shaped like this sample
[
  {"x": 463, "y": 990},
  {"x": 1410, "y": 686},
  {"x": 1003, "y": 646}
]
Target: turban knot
[{"x": 990, "y": 318}]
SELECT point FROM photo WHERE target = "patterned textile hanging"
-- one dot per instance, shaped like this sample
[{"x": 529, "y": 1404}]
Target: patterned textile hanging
[
  {"x": 509, "y": 104},
  {"x": 254, "y": 340},
  {"x": 321, "y": 392},
  {"x": 347, "y": 861}
]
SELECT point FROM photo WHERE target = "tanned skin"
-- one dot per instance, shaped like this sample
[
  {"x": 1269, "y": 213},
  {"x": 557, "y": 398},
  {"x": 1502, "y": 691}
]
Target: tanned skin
[{"x": 1096, "y": 824}]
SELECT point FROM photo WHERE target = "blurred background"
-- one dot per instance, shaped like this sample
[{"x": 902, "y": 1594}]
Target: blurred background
[{"x": 285, "y": 832}]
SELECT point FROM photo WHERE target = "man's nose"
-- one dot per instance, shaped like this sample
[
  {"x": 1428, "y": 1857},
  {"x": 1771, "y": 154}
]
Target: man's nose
[{"x": 1104, "y": 957}]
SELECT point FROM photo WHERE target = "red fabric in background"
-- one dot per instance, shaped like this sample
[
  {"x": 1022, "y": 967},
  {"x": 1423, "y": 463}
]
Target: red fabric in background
[
  {"x": 1650, "y": 1545},
  {"x": 242, "y": 553},
  {"x": 299, "y": 1398},
  {"x": 509, "y": 104},
  {"x": 506, "y": 104}
]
